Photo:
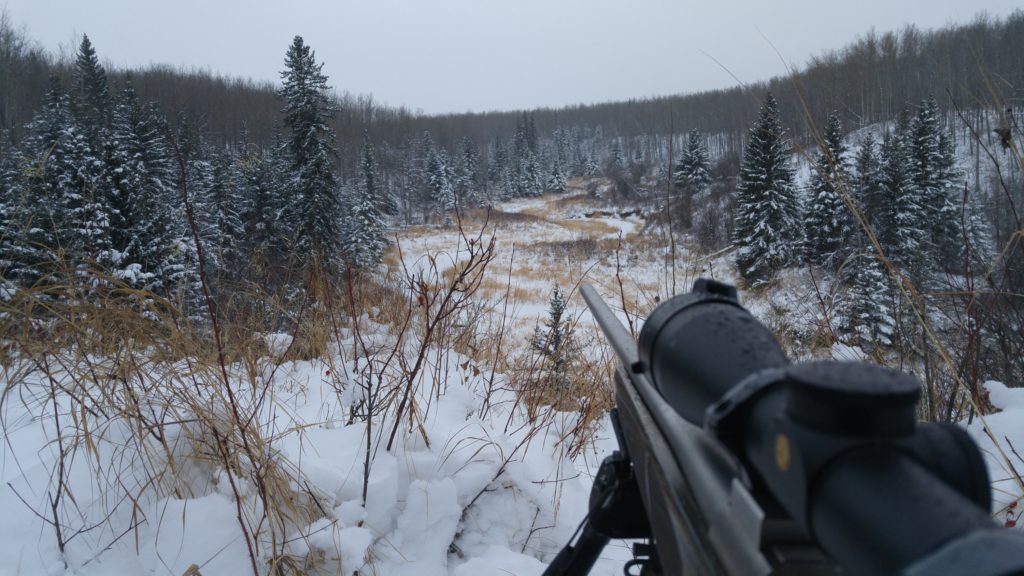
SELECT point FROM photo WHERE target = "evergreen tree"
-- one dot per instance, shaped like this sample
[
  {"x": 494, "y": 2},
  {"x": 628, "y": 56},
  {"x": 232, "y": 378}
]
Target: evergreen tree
[
  {"x": 867, "y": 188},
  {"x": 363, "y": 235},
  {"x": 827, "y": 222},
  {"x": 63, "y": 216},
  {"x": 370, "y": 184},
  {"x": 497, "y": 166},
  {"x": 149, "y": 251},
  {"x": 265, "y": 180},
  {"x": 580, "y": 161},
  {"x": 509, "y": 187},
  {"x": 901, "y": 219},
  {"x": 423, "y": 176},
  {"x": 562, "y": 146},
  {"x": 767, "y": 232},
  {"x": 947, "y": 234},
  {"x": 441, "y": 190},
  {"x": 555, "y": 343},
  {"x": 637, "y": 165},
  {"x": 530, "y": 183},
  {"x": 201, "y": 181},
  {"x": 467, "y": 190},
  {"x": 90, "y": 91},
  {"x": 10, "y": 194},
  {"x": 616, "y": 165},
  {"x": 368, "y": 173},
  {"x": 691, "y": 172},
  {"x": 925, "y": 159},
  {"x": 868, "y": 307},
  {"x": 531, "y": 132},
  {"x": 524, "y": 177},
  {"x": 314, "y": 207},
  {"x": 979, "y": 249},
  {"x": 556, "y": 180},
  {"x": 224, "y": 205}
]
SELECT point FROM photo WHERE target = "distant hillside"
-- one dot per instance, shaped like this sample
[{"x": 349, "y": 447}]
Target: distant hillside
[{"x": 869, "y": 80}]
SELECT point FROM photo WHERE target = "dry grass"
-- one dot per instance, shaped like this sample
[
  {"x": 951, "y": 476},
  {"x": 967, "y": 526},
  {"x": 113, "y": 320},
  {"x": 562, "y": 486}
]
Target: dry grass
[{"x": 110, "y": 359}]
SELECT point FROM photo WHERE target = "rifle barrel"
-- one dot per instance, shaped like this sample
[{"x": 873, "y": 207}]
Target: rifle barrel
[{"x": 620, "y": 339}]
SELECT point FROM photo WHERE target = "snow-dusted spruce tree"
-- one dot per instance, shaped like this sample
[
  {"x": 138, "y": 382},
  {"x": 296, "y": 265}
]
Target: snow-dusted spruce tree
[
  {"x": 467, "y": 187},
  {"x": 497, "y": 166},
  {"x": 90, "y": 93},
  {"x": 868, "y": 304},
  {"x": 691, "y": 174},
  {"x": 931, "y": 179},
  {"x": 223, "y": 204},
  {"x": 978, "y": 252},
  {"x": 901, "y": 220},
  {"x": 61, "y": 212},
  {"x": 947, "y": 232},
  {"x": 509, "y": 187},
  {"x": 90, "y": 106},
  {"x": 867, "y": 185},
  {"x": 200, "y": 177},
  {"x": 265, "y": 181},
  {"x": 615, "y": 167},
  {"x": 637, "y": 166},
  {"x": 363, "y": 235},
  {"x": 555, "y": 343},
  {"x": 9, "y": 193},
  {"x": 314, "y": 207},
  {"x": 419, "y": 175},
  {"x": 827, "y": 221},
  {"x": 562, "y": 150},
  {"x": 954, "y": 217},
  {"x": 580, "y": 160},
  {"x": 767, "y": 232},
  {"x": 556, "y": 179},
  {"x": 371, "y": 183},
  {"x": 147, "y": 235},
  {"x": 530, "y": 182},
  {"x": 524, "y": 179},
  {"x": 442, "y": 193},
  {"x": 32, "y": 238}
]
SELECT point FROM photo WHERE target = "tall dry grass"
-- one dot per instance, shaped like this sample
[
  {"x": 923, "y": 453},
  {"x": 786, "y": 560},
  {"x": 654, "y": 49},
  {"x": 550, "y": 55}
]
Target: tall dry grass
[{"x": 162, "y": 397}]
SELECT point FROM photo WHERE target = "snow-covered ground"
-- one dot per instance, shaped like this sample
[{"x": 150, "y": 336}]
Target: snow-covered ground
[
  {"x": 489, "y": 494},
  {"x": 474, "y": 488}
]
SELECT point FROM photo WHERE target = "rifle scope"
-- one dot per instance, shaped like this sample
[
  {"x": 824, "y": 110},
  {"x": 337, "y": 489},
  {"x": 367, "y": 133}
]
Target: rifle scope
[{"x": 837, "y": 444}]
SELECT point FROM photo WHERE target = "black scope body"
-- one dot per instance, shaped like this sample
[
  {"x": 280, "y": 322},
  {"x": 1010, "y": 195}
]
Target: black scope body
[{"x": 837, "y": 444}]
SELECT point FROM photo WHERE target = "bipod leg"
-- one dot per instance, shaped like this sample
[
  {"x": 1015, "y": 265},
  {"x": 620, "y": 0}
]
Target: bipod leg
[{"x": 578, "y": 559}]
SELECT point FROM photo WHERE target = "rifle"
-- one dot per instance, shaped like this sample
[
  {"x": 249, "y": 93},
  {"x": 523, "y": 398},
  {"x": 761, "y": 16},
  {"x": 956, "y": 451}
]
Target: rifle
[{"x": 734, "y": 461}]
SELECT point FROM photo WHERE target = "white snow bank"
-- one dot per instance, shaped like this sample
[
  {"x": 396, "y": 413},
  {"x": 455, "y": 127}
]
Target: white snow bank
[
  {"x": 492, "y": 491},
  {"x": 1006, "y": 427}
]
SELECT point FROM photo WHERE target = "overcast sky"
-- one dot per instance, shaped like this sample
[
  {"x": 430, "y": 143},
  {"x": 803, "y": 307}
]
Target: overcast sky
[{"x": 458, "y": 55}]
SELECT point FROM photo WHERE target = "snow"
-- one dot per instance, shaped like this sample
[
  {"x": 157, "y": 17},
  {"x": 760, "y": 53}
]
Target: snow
[
  {"x": 425, "y": 530},
  {"x": 1001, "y": 438},
  {"x": 500, "y": 561},
  {"x": 277, "y": 343},
  {"x": 201, "y": 531},
  {"x": 478, "y": 495}
]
